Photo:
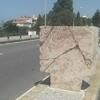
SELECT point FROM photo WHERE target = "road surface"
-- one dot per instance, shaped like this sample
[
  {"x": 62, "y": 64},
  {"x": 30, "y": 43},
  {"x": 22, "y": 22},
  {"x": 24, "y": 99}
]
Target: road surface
[{"x": 19, "y": 68}]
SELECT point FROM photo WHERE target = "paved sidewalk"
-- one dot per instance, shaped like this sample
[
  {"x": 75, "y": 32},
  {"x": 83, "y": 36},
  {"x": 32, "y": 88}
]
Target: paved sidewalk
[{"x": 43, "y": 92}]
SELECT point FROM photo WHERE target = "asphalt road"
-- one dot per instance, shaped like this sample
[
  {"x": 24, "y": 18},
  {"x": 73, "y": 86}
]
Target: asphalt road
[{"x": 19, "y": 68}]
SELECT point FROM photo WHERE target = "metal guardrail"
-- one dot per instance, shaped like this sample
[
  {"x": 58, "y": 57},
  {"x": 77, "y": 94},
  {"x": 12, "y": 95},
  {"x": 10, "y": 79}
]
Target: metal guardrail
[{"x": 17, "y": 38}]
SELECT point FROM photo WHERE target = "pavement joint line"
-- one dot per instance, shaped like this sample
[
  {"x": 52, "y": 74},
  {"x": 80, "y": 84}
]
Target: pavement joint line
[
  {"x": 18, "y": 42},
  {"x": 19, "y": 98},
  {"x": 82, "y": 91}
]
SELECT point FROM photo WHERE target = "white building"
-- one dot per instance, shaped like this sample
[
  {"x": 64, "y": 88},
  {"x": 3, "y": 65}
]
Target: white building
[{"x": 25, "y": 21}]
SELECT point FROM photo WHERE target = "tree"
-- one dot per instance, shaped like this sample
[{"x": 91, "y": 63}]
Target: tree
[
  {"x": 78, "y": 19},
  {"x": 62, "y": 13},
  {"x": 63, "y": 5},
  {"x": 96, "y": 19},
  {"x": 89, "y": 21},
  {"x": 23, "y": 31},
  {"x": 10, "y": 28},
  {"x": 39, "y": 23}
]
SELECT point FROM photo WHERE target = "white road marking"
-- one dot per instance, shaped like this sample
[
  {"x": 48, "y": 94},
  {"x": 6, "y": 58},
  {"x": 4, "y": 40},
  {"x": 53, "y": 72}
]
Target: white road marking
[
  {"x": 1, "y": 54},
  {"x": 45, "y": 78},
  {"x": 17, "y": 42}
]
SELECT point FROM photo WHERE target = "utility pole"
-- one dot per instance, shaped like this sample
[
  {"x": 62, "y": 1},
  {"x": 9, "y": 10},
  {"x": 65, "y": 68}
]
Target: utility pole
[
  {"x": 45, "y": 18},
  {"x": 73, "y": 19}
]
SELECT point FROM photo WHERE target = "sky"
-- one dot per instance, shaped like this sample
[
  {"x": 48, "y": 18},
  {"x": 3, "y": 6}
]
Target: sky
[
  {"x": 86, "y": 7},
  {"x": 10, "y": 9}
]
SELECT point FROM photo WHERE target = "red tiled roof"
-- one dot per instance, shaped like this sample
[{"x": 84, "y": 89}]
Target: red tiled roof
[{"x": 22, "y": 20}]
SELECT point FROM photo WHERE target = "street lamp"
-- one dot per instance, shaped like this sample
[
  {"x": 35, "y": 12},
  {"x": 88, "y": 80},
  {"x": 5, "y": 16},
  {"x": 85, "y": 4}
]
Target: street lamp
[
  {"x": 73, "y": 19},
  {"x": 45, "y": 17}
]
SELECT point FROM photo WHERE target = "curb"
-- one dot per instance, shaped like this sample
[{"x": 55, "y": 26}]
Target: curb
[
  {"x": 11, "y": 41},
  {"x": 19, "y": 98},
  {"x": 45, "y": 78},
  {"x": 27, "y": 92}
]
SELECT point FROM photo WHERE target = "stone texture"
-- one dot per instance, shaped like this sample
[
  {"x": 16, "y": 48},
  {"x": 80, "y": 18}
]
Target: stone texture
[
  {"x": 55, "y": 94},
  {"x": 68, "y": 54}
]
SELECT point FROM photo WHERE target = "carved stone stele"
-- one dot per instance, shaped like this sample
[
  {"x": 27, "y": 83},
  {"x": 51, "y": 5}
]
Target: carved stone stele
[{"x": 68, "y": 54}]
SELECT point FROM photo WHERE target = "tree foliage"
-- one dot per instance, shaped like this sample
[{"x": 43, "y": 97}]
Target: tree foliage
[
  {"x": 23, "y": 30},
  {"x": 78, "y": 21},
  {"x": 40, "y": 22},
  {"x": 62, "y": 13},
  {"x": 96, "y": 19},
  {"x": 82, "y": 20},
  {"x": 10, "y": 28}
]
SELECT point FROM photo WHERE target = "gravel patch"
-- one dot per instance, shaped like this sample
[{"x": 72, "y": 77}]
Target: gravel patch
[{"x": 57, "y": 94}]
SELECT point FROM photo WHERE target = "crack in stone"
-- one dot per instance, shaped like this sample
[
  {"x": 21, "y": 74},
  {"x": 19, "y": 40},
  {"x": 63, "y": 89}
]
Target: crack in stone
[
  {"x": 41, "y": 43},
  {"x": 87, "y": 61},
  {"x": 58, "y": 57},
  {"x": 61, "y": 54}
]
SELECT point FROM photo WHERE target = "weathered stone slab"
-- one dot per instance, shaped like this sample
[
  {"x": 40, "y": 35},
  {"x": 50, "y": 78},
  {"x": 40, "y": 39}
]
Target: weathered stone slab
[
  {"x": 68, "y": 54},
  {"x": 57, "y": 94}
]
